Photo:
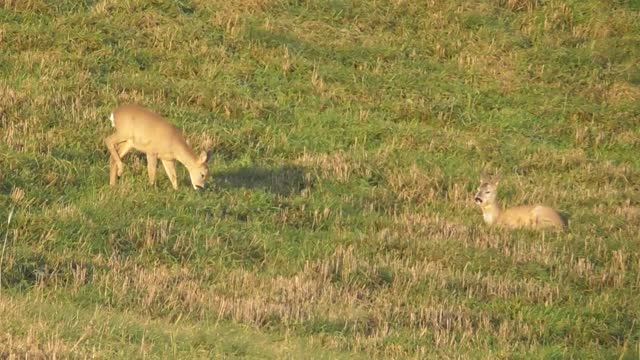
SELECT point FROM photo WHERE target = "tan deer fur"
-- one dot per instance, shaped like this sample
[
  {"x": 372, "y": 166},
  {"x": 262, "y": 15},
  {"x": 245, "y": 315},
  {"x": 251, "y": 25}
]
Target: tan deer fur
[
  {"x": 139, "y": 128},
  {"x": 535, "y": 216}
]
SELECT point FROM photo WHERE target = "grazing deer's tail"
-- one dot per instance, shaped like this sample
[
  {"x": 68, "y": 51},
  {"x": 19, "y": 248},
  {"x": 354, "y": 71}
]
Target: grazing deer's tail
[{"x": 113, "y": 123}]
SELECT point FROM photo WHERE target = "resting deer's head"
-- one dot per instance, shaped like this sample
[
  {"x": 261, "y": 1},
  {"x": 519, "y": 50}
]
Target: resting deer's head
[{"x": 487, "y": 191}]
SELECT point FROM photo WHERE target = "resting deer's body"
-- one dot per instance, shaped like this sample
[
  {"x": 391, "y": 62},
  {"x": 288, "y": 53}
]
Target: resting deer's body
[
  {"x": 141, "y": 129},
  {"x": 536, "y": 216}
]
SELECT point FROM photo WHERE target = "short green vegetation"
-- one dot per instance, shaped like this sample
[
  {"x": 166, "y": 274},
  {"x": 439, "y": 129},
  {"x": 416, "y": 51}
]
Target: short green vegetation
[{"x": 348, "y": 138}]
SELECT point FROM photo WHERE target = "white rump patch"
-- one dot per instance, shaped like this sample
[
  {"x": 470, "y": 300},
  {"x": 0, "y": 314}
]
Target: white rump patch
[{"x": 113, "y": 123}]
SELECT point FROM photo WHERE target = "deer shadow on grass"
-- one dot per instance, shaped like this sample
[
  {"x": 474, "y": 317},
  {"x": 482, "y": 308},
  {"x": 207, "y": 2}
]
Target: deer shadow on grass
[{"x": 285, "y": 180}]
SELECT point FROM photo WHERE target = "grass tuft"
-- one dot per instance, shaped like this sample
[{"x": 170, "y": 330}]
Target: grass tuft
[{"x": 348, "y": 139}]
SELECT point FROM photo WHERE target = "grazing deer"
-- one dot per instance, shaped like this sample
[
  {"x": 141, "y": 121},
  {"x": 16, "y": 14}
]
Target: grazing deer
[
  {"x": 536, "y": 216},
  {"x": 141, "y": 129}
]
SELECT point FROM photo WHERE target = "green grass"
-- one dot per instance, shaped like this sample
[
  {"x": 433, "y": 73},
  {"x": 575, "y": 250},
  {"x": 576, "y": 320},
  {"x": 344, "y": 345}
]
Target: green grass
[{"x": 348, "y": 139}]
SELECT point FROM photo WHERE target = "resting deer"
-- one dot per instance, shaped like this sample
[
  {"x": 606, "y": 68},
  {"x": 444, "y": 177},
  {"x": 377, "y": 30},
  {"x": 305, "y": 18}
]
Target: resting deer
[
  {"x": 536, "y": 216},
  {"x": 141, "y": 129}
]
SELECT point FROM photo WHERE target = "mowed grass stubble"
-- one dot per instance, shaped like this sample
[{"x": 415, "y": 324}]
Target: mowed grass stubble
[{"x": 347, "y": 141}]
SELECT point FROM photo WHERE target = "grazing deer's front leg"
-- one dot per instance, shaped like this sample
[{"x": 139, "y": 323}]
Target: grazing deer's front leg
[
  {"x": 170, "y": 168},
  {"x": 122, "y": 150},
  {"x": 152, "y": 164}
]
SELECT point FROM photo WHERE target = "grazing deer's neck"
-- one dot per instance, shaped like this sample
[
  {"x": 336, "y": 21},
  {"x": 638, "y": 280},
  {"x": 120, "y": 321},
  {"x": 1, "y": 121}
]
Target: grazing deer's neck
[
  {"x": 185, "y": 155},
  {"x": 490, "y": 213}
]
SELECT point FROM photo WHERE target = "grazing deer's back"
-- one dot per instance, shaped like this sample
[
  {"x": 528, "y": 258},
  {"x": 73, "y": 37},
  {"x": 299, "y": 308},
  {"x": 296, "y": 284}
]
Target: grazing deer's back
[
  {"x": 134, "y": 117},
  {"x": 145, "y": 128}
]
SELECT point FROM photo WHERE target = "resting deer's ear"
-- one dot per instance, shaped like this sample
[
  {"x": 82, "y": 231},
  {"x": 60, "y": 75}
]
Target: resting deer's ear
[
  {"x": 203, "y": 158},
  {"x": 486, "y": 178},
  {"x": 483, "y": 177},
  {"x": 495, "y": 179}
]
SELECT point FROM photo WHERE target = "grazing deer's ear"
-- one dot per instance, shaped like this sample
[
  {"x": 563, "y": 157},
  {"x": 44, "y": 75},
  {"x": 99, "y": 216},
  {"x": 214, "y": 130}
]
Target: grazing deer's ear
[{"x": 203, "y": 158}]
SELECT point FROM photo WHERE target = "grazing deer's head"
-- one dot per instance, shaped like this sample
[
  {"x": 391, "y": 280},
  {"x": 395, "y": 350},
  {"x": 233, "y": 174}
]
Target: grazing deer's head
[{"x": 199, "y": 172}]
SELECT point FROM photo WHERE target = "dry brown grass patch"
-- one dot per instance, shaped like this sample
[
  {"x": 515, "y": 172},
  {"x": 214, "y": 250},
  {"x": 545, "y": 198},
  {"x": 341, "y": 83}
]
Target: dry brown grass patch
[
  {"x": 39, "y": 341},
  {"x": 339, "y": 166},
  {"x": 520, "y": 5},
  {"x": 621, "y": 92}
]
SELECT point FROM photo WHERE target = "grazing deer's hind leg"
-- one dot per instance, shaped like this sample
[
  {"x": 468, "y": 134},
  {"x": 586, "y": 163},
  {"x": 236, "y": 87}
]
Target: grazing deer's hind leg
[
  {"x": 152, "y": 164},
  {"x": 170, "y": 168},
  {"x": 121, "y": 149},
  {"x": 112, "y": 142}
]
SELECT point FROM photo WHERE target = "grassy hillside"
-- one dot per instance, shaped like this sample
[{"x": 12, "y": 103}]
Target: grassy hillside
[{"x": 348, "y": 138}]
